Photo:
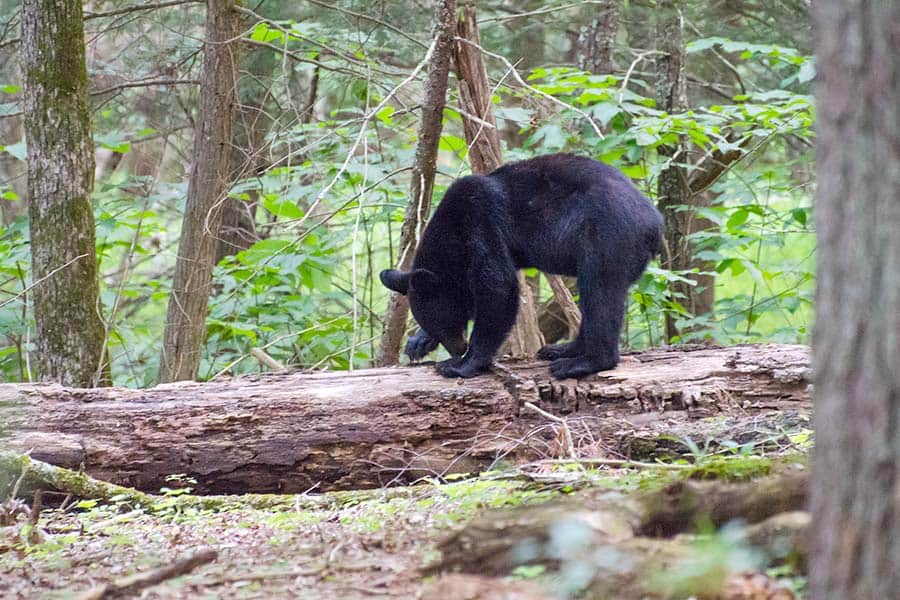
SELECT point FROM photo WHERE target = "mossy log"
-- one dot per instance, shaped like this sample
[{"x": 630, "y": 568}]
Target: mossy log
[
  {"x": 625, "y": 541},
  {"x": 292, "y": 432}
]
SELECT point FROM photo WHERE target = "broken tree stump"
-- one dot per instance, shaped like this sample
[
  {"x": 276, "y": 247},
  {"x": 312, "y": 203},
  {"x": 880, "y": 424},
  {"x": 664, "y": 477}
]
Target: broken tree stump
[{"x": 292, "y": 432}]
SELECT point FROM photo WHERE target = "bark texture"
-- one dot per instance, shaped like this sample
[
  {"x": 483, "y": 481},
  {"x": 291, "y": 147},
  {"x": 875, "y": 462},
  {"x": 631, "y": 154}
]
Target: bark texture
[
  {"x": 485, "y": 155},
  {"x": 596, "y": 43},
  {"x": 856, "y": 469},
  {"x": 69, "y": 330},
  {"x": 209, "y": 181},
  {"x": 292, "y": 432},
  {"x": 674, "y": 186},
  {"x": 422, "y": 178}
]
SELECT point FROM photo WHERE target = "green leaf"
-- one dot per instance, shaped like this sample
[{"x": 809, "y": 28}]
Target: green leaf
[
  {"x": 18, "y": 150},
  {"x": 737, "y": 219},
  {"x": 263, "y": 33},
  {"x": 605, "y": 111},
  {"x": 281, "y": 208},
  {"x": 807, "y": 70}
]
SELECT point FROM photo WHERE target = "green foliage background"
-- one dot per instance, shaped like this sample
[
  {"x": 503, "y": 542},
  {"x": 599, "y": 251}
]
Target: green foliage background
[{"x": 332, "y": 190}]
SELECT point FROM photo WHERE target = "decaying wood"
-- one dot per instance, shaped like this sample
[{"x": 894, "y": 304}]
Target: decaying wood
[
  {"x": 292, "y": 432},
  {"x": 609, "y": 533}
]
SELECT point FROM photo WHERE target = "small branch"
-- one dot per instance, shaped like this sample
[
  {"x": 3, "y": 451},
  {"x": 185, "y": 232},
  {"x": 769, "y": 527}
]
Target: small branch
[
  {"x": 564, "y": 429},
  {"x": 130, "y": 586},
  {"x": 610, "y": 462},
  {"x": 41, "y": 280},
  {"x": 138, "y": 8},
  {"x": 260, "y": 355},
  {"x": 523, "y": 83},
  {"x": 357, "y": 15},
  {"x": 145, "y": 83}
]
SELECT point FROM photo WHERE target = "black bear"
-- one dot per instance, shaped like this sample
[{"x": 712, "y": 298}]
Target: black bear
[{"x": 560, "y": 213}]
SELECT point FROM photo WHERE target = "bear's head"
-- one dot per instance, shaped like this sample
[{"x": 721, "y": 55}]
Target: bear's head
[{"x": 437, "y": 310}]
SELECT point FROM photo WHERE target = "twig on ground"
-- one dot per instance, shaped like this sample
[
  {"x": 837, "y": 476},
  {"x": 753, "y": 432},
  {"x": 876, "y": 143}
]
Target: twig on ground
[
  {"x": 130, "y": 586},
  {"x": 564, "y": 429}
]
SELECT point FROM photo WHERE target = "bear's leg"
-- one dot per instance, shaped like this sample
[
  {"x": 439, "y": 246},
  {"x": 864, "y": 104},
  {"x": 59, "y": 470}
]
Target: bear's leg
[
  {"x": 602, "y": 313},
  {"x": 496, "y": 305}
]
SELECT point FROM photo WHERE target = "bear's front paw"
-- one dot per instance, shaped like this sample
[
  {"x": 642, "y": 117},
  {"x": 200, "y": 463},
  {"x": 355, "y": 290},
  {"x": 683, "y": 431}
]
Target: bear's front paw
[
  {"x": 579, "y": 366},
  {"x": 457, "y": 367},
  {"x": 420, "y": 345}
]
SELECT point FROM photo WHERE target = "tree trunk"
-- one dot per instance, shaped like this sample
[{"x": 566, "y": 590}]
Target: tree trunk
[
  {"x": 856, "y": 467},
  {"x": 596, "y": 43},
  {"x": 485, "y": 155},
  {"x": 673, "y": 185},
  {"x": 422, "y": 183},
  {"x": 292, "y": 432},
  {"x": 209, "y": 181},
  {"x": 70, "y": 334}
]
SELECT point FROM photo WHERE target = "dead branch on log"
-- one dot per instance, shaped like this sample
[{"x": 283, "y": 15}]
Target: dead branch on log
[{"x": 129, "y": 586}]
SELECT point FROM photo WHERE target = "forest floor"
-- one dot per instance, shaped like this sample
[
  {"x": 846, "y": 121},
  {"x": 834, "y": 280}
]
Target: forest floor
[{"x": 368, "y": 544}]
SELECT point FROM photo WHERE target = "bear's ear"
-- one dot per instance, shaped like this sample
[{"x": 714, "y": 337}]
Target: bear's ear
[
  {"x": 395, "y": 280},
  {"x": 425, "y": 281}
]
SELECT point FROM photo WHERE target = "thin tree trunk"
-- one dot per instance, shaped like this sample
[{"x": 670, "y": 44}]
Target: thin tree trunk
[
  {"x": 673, "y": 185},
  {"x": 209, "y": 182},
  {"x": 856, "y": 466},
  {"x": 422, "y": 183},
  {"x": 69, "y": 328},
  {"x": 485, "y": 155}
]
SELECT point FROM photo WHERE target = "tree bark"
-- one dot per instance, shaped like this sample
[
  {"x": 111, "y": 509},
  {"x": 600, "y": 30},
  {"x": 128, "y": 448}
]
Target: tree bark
[
  {"x": 596, "y": 43},
  {"x": 422, "y": 178},
  {"x": 70, "y": 334},
  {"x": 209, "y": 181},
  {"x": 673, "y": 185},
  {"x": 485, "y": 155},
  {"x": 856, "y": 467},
  {"x": 292, "y": 432}
]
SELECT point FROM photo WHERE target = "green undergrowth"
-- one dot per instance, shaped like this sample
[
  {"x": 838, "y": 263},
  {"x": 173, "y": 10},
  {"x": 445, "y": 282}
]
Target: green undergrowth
[{"x": 286, "y": 527}]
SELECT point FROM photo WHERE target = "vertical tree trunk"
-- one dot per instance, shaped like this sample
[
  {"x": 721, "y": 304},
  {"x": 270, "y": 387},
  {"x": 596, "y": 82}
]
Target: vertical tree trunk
[
  {"x": 209, "y": 182},
  {"x": 485, "y": 155},
  {"x": 70, "y": 331},
  {"x": 422, "y": 183},
  {"x": 673, "y": 185},
  {"x": 595, "y": 46},
  {"x": 856, "y": 467}
]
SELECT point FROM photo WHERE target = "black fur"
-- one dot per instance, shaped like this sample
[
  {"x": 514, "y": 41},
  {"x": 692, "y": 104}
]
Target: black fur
[{"x": 560, "y": 213}]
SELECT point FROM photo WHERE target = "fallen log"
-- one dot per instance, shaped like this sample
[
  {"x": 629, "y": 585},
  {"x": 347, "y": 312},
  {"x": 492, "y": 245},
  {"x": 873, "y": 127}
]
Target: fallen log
[
  {"x": 293, "y": 432},
  {"x": 624, "y": 542}
]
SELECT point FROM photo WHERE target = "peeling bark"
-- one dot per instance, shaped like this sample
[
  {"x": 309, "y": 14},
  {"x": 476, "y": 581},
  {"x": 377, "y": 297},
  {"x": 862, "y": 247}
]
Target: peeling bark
[
  {"x": 70, "y": 335},
  {"x": 292, "y": 432}
]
